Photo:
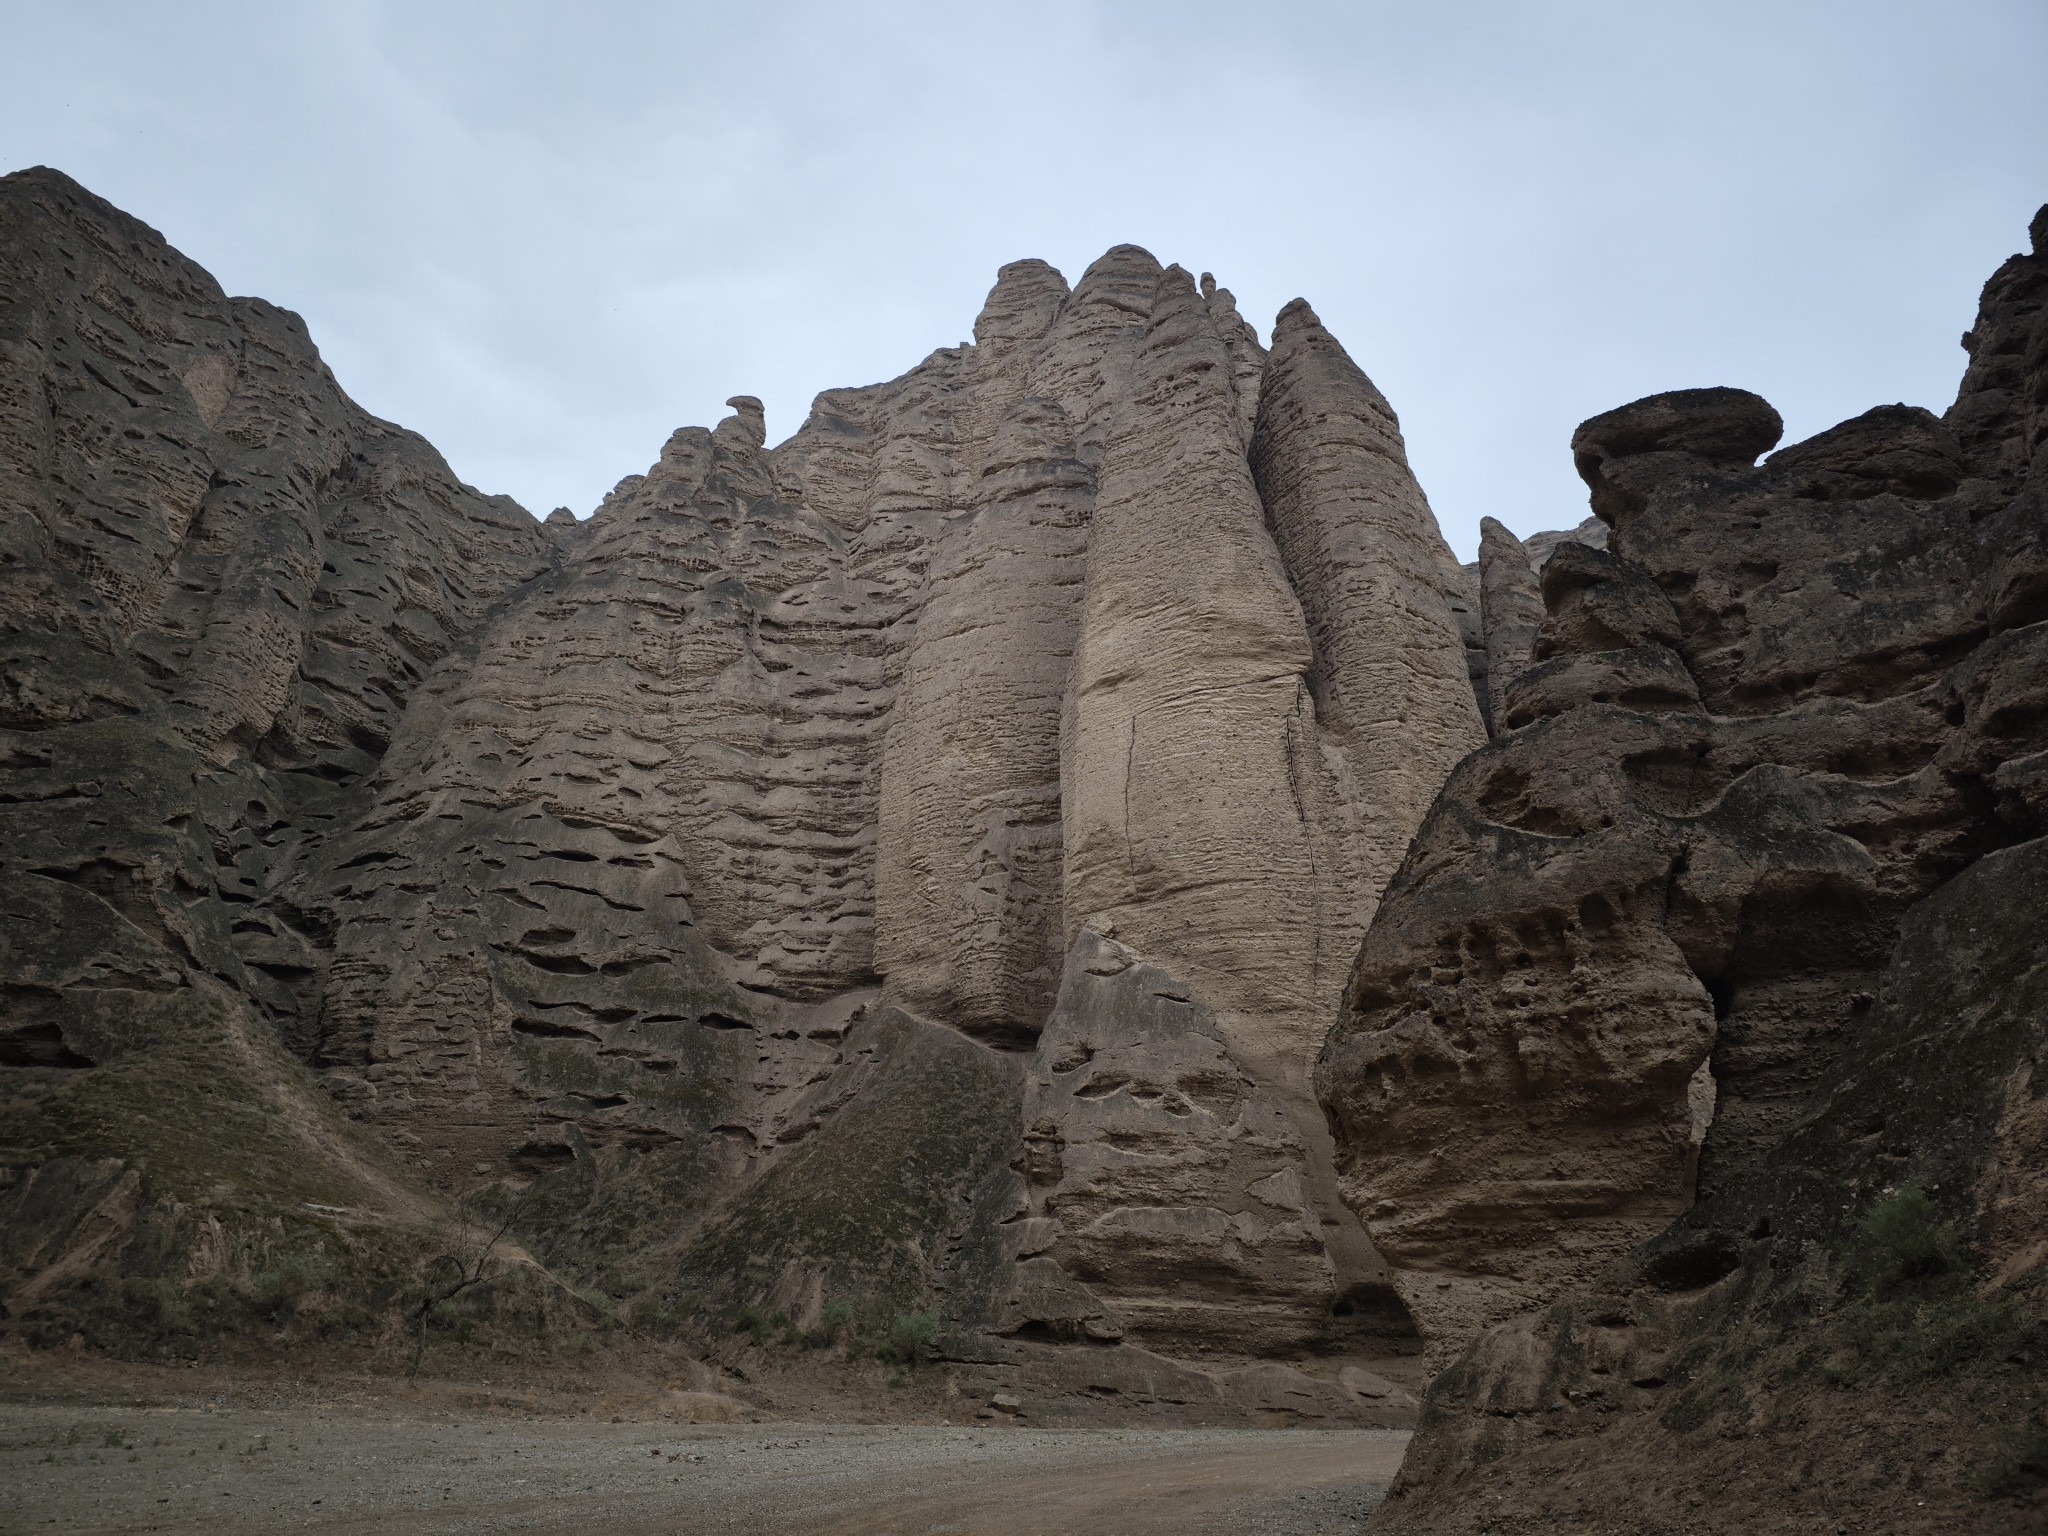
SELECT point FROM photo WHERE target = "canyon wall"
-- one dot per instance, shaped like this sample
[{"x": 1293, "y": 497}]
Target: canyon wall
[
  {"x": 913, "y": 870},
  {"x": 746, "y": 884},
  {"x": 1689, "y": 1077}
]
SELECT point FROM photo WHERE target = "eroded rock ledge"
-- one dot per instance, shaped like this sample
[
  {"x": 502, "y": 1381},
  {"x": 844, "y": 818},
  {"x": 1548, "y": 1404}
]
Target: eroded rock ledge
[{"x": 729, "y": 881}]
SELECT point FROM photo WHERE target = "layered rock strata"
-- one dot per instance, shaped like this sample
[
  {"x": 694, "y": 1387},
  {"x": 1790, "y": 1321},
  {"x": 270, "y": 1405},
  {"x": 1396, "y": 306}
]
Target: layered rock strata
[
  {"x": 1695, "y": 1044},
  {"x": 222, "y": 584},
  {"x": 715, "y": 884},
  {"x": 1512, "y": 608}
]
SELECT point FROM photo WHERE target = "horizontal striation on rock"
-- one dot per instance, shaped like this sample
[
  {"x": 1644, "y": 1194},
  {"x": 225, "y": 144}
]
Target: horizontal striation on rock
[
  {"x": 969, "y": 834},
  {"x": 1769, "y": 801},
  {"x": 1185, "y": 832},
  {"x": 1392, "y": 691},
  {"x": 1170, "y": 1181},
  {"x": 702, "y": 876},
  {"x": 223, "y": 583}
]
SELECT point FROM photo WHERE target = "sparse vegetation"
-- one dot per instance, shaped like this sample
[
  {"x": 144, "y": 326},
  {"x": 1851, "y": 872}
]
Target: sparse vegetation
[
  {"x": 1899, "y": 1239},
  {"x": 454, "y": 1273},
  {"x": 834, "y": 1326},
  {"x": 910, "y": 1335},
  {"x": 1911, "y": 1308}
]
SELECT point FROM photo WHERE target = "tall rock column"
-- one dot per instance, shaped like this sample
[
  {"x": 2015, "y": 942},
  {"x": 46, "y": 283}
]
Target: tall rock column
[
  {"x": 1389, "y": 677},
  {"x": 1191, "y": 833},
  {"x": 968, "y": 855},
  {"x": 1511, "y": 610},
  {"x": 1205, "y": 832}
]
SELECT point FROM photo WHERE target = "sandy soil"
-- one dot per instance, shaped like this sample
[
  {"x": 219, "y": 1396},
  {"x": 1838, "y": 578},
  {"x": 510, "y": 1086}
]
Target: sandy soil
[{"x": 75, "y": 1468}]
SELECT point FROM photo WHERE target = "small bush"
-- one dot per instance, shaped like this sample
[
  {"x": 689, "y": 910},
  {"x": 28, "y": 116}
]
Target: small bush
[
  {"x": 1911, "y": 1310},
  {"x": 910, "y": 1335},
  {"x": 276, "y": 1292},
  {"x": 835, "y": 1326},
  {"x": 1899, "y": 1240},
  {"x": 758, "y": 1325}
]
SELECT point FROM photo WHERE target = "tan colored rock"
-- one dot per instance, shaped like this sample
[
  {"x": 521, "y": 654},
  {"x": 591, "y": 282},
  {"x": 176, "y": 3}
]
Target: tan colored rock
[
  {"x": 968, "y": 854},
  {"x": 1392, "y": 691},
  {"x": 1168, "y": 1179},
  {"x": 1247, "y": 357},
  {"x": 707, "y": 867},
  {"x": 1511, "y": 610},
  {"x": 1190, "y": 755},
  {"x": 1541, "y": 546}
]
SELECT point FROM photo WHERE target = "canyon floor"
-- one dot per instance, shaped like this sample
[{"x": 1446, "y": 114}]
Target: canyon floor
[{"x": 152, "y": 1449}]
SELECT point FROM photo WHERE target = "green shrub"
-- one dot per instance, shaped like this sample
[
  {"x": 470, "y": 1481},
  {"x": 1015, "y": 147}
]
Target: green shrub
[
  {"x": 909, "y": 1336},
  {"x": 758, "y": 1325},
  {"x": 1911, "y": 1310},
  {"x": 276, "y": 1292},
  {"x": 1901, "y": 1239},
  {"x": 836, "y": 1325}
]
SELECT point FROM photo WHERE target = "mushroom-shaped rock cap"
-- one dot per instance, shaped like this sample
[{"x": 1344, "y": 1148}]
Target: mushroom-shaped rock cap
[
  {"x": 749, "y": 417},
  {"x": 1722, "y": 426}
]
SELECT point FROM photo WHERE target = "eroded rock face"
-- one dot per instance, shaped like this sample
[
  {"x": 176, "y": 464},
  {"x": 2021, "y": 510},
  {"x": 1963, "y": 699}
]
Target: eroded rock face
[
  {"x": 1767, "y": 805},
  {"x": 1165, "y": 1177},
  {"x": 1511, "y": 610},
  {"x": 698, "y": 879},
  {"x": 221, "y": 585},
  {"x": 1393, "y": 695},
  {"x": 969, "y": 846}
]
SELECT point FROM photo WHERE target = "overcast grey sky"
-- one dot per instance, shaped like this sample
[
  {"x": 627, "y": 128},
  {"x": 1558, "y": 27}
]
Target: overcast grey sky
[{"x": 544, "y": 235}]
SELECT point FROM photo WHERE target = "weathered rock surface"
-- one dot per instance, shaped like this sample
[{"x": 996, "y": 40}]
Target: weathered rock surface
[
  {"x": 1393, "y": 696},
  {"x": 969, "y": 849},
  {"x": 1767, "y": 805},
  {"x": 223, "y": 582},
  {"x": 1541, "y": 546},
  {"x": 1161, "y": 1173},
  {"x": 693, "y": 885},
  {"x": 1511, "y": 610}
]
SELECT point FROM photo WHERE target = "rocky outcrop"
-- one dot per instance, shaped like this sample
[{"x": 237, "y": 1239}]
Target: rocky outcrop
[
  {"x": 1393, "y": 696},
  {"x": 1173, "y": 1184},
  {"x": 223, "y": 584},
  {"x": 1718, "y": 948},
  {"x": 969, "y": 854},
  {"x": 711, "y": 887},
  {"x": 1511, "y": 609}
]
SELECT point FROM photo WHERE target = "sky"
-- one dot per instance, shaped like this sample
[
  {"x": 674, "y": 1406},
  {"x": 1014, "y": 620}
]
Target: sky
[{"x": 545, "y": 235}]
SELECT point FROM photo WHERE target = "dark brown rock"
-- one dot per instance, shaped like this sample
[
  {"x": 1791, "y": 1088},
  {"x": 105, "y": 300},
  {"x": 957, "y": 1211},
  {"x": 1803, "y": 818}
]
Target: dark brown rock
[{"x": 1807, "y": 876}]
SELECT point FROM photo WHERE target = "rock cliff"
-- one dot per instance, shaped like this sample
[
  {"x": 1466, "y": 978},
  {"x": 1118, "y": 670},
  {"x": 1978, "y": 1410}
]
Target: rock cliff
[
  {"x": 904, "y": 878},
  {"x": 908, "y": 868},
  {"x": 223, "y": 584},
  {"x": 1688, "y": 1078}
]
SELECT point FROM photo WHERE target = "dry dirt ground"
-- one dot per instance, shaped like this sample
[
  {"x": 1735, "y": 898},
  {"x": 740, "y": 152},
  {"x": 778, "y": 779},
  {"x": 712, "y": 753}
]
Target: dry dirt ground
[{"x": 69, "y": 1467}]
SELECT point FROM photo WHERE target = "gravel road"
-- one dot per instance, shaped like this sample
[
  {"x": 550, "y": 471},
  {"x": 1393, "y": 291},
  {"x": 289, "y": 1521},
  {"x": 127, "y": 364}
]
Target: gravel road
[{"x": 188, "y": 1469}]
